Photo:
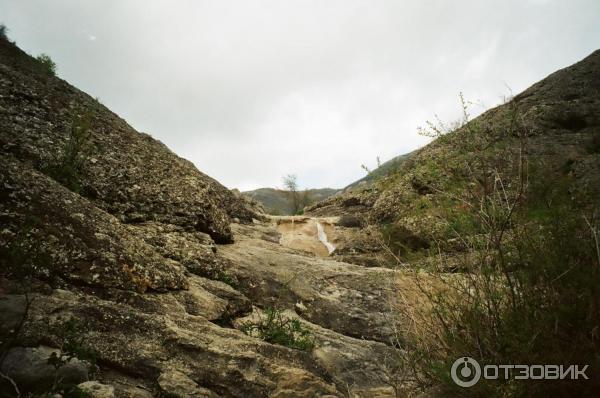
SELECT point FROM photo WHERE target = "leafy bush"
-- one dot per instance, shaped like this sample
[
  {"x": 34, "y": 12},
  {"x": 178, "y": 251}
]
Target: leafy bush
[
  {"x": 3, "y": 32},
  {"x": 275, "y": 328},
  {"x": 48, "y": 64},
  {"x": 67, "y": 168},
  {"x": 72, "y": 344},
  {"x": 227, "y": 278},
  {"x": 70, "y": 338}
]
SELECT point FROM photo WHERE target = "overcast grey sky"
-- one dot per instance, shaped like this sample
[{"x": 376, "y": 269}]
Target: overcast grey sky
[{"x": 252, "y": 90}]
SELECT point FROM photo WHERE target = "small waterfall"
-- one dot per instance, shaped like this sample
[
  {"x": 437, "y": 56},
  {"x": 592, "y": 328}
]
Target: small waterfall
[{"x": 323, "y": 237}]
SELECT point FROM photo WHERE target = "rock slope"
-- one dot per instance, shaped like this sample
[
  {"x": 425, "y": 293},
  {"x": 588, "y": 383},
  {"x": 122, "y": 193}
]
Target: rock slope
[
  {"x": 559, "y": 121},
  {"x": 114, "y": 247},
  {"x": 125, "y": 173},
  {"x": 126, "y": 241}
]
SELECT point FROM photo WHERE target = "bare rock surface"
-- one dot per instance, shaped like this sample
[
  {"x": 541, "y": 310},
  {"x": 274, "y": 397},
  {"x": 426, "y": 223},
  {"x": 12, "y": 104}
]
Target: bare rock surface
[
  {"x": 97, "y": 390},
  {"x": 349, "y": 299},
  {"x": 133, "y": 255},
  {"x": 128, "y": 174}
]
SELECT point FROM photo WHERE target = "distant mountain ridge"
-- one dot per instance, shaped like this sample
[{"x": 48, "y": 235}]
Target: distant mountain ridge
[{"x": 277, "y": 201}]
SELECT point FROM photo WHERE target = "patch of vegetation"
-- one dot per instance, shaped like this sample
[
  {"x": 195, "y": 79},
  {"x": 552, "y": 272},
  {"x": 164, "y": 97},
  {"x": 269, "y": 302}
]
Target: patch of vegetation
[
  {"x": 72, "y": 344},
  {"x": 48, "y": 64},
  {"x": 3, "y": 32},
  {"x": 276, "y": 328},
  {"x": 23, "y": 261},
  {"x": 458, "y": 218},
  {"x": 227, "y": 278},
  {"x": 594, "y": 145},
  {"x": 528, "y": 292},
  {"x": 70, "y": 339},
  {"x": 67, "y": 167},
  {"x": 22, "y": 258},
  {"x": 401, "y": 241}
]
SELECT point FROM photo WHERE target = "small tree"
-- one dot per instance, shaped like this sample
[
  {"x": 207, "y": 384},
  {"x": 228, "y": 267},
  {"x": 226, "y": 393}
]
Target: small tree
[
  {"x": 290, "y": 182},
  {"x": 3, "y": 32},
  {"x": 47, "y": 63},
  {"x": 306, "y": 199}
]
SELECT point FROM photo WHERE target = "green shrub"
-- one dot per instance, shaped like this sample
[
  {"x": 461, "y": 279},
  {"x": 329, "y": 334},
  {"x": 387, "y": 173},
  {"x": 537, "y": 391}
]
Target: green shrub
[
  {"x": 48, "y": 64},
  {"x": 3, "y": 32},
  {"x": 72, "y": 343},
  {"x": 227, "y": 278},
  {"x": 401, "y": 241},
  {"x": 22, "y": 258},
  {"x": 275, "y": 328},
  {"x": 594, "y": 145},
  {"x": 67, "y": 167},
  {"x": 529, "y": 291}
]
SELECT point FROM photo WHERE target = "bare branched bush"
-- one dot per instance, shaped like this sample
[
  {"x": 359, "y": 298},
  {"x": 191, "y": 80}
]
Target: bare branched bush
[{"x": 525, "y": 290}]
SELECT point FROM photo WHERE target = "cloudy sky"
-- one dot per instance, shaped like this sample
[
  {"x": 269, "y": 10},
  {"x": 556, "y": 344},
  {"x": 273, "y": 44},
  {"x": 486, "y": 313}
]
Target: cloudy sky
[{"x": 252, "y": 90}]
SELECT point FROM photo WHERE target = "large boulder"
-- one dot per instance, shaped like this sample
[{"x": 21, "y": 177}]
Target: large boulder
[{"x": 30, "y": 369}]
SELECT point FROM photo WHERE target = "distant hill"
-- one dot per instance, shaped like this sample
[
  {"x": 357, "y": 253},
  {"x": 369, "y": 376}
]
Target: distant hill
[
  {"x": 277, "y": 201},
  {"x": 558, "y": 116},
  {"x": 381, "y": 171}
]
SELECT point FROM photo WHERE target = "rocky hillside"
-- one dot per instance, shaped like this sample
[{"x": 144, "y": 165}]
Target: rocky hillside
[
  {"x": 558, "y": 122},
  {"x": 126, "y": 272},
  {"x": 113, "y": 281},
  {"x": 383, "y": 170},
  {"x": 129, "y": 175},
  {"x": 278, "y": 201}
]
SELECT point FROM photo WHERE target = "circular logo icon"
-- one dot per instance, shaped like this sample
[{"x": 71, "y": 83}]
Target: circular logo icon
[{"x": 465, "y": 372}]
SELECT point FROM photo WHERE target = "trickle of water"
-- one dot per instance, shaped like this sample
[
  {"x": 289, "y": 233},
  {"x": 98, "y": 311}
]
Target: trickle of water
[{"x": 323, "y": 237}]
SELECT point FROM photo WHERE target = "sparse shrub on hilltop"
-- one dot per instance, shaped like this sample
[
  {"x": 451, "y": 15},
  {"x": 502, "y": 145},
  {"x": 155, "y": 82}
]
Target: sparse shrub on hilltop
[
  {"x": 3, "y": 32},
  {"x": 48, "y": 64}
]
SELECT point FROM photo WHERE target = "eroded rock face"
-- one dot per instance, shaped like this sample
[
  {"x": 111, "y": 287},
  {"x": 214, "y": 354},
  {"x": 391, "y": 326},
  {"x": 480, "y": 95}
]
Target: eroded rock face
[
  {"x": 349, "y": 299},
  {"x": 133, "y": 257},
  {"x": 302, "y": 233},
  {"x": 65, "y": 236},
  {"x": 176, "y": 383},
  {"x": 154, "y": 347},
  {"x": 128, "y": 174}
]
